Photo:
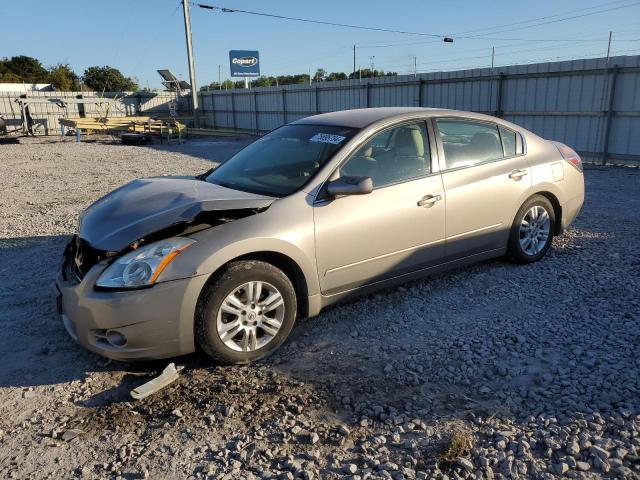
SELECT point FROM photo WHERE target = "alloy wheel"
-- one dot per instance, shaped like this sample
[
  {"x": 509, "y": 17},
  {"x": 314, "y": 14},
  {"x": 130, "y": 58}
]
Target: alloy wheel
[
  {"x": 534, "y": 230},
  {"x": 250, "y": 316}
]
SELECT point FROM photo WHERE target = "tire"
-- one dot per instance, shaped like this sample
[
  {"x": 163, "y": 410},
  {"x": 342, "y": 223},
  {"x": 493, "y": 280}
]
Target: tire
[
  {"x": 230, "y": 327},
  {"x": 522, "y": 251}
]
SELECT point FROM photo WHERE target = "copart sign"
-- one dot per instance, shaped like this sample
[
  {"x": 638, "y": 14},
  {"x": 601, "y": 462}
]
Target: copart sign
[{"x": 244, "y": 63}]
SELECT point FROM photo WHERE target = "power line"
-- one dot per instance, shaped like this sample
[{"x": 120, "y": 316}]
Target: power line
[
  {"x": 546, "y": 17},
  {"x": 499, "y": 47},
  {"x": 319, "y": 22},
  {"x": 553, "y": 21},
  {"x": 501, "y": 54},
  {"x": 523, "y": 22},
  {"x": 526, "y": 40}
]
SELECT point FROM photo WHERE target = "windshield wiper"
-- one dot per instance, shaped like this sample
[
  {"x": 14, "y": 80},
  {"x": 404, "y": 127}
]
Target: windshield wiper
[{"x": 203, "y": 176}]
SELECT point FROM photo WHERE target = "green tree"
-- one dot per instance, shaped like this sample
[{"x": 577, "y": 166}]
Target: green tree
[
  {"x": 320, "y": 75},
  {"x": 263, "y": 81},
  {"x": 9, "y": 77},
  {"x": 108, "y": 79},
  {"x": 368, "y": 73},
  {"x": 26, "y": 69},
  {"x": 333, "y": 76},
  {"x": 63, "y": 78}
]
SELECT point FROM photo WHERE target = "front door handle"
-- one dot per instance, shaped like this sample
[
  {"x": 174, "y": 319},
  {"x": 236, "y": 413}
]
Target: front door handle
[
  {"x": 429, "y": 200},
  {"x": 517, "y": 174}
]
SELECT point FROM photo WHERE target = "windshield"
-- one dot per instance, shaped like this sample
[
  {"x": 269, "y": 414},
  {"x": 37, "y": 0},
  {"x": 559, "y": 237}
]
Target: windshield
[{"x": 282, "y": 161}]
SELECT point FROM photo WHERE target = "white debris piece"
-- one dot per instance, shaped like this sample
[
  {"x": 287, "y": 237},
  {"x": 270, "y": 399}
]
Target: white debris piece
[{"x": 168, "y": 375}]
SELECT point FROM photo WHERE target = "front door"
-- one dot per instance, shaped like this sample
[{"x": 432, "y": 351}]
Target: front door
[
  {"x": 397, "y": 228},
  {"x": 485, "y": 178}
]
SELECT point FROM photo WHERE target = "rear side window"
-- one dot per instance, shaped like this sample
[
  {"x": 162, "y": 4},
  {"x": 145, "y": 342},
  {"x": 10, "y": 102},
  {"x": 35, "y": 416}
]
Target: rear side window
[
  {"x": 469, "y": 142},
  {"x": 511, "y": 142}
]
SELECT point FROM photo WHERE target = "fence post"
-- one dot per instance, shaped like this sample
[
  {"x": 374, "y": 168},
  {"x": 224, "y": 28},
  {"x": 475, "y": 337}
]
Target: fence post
[
  {"x": 233, "y": 113},
  {"x": 213, "y": 110},
  {"x": 609, "y": 113},
  {"x": 284, "y": 106},
  {"x": 499, "y": 112},
  {"x": 317, "y": 109},
  {"x": 420, "y": 92},
  {"x": 255, "y": 110},
  {"x": 366, "y": 86}
]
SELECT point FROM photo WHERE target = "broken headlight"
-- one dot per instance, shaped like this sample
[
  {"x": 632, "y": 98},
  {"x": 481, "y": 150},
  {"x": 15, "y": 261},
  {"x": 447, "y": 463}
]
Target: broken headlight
[{"x": 141, "y": 267}]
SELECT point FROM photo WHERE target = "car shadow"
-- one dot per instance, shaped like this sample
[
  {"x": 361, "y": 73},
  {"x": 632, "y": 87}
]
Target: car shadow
[{"x": 331, "y": 355}]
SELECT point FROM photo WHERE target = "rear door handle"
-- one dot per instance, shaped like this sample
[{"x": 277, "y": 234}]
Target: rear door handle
[
  {"x": 517, "y": 174},
  {"x": 429, "y": 200}
]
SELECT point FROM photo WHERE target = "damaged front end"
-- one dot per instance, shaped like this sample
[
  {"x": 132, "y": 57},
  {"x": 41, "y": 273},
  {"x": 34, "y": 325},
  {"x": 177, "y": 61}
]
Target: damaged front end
[
  {"x": 80, "y": 256},
  {"x": 150, "y": 210}
]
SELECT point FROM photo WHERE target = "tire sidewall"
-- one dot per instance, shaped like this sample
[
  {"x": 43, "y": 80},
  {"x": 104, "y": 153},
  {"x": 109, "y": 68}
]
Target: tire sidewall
[
  {"x": 233, "y": 277},
  {"x": 515, "y": 249}
]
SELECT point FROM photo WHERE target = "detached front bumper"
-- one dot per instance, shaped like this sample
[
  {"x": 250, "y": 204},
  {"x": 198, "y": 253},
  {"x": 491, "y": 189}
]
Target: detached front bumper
[{"x": 150, "y": 323}]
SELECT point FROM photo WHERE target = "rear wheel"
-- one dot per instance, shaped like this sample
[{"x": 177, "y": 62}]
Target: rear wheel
[
  {"x": 246, "y": 313},
  {"x": 532, "y": 230}
]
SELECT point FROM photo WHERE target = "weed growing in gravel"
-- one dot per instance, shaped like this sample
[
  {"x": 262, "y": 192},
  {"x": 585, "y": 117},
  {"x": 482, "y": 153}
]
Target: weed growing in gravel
[{"x": 460, "y": 444}]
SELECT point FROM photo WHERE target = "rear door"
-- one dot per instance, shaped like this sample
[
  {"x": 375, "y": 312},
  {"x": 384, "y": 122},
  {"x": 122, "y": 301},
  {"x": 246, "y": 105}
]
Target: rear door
[
  {"x": 397, "y": 228},
  {"x": 485, "y": 177}
]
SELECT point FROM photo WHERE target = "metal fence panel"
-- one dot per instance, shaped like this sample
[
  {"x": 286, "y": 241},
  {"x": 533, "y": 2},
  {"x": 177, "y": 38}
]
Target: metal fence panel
[{"x": 591, "y": 104}]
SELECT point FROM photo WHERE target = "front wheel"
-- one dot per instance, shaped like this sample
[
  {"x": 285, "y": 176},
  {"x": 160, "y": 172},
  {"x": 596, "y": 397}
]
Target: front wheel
[
  {"x": 532, "y": 230},
  {"x": 246, "y": 313}
]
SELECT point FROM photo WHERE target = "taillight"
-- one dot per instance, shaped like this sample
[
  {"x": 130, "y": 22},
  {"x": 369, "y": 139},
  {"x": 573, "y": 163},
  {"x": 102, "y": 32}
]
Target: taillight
[{"x": 570, "y": 155}]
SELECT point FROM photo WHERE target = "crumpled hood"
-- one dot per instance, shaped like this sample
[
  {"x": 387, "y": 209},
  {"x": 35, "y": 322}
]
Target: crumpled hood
[{"x": 148, "y": 205}]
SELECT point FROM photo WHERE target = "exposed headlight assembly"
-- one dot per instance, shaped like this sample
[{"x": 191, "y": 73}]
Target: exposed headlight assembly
[{"x": 141, "y": 267}]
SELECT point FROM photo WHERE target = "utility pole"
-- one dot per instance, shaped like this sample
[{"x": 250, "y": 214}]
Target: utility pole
[
  {"x": 354, "y": 61},
  {"x": 493, "y": 55},
  {"x": 371, "y": 58},
  {"x": 192, "y": 66},
  {"x": 415, "y": 67},
  {"x": 219, "y": 77},
  {"x": 609, "y": 47}
]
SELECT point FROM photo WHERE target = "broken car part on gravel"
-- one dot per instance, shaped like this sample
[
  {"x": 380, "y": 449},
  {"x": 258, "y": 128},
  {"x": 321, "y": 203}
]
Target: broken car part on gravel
[{"x": 168, "y": 375}]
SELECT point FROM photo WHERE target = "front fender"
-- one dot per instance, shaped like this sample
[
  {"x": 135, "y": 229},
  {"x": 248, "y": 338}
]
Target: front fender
[{"x": 285, "y": 228}]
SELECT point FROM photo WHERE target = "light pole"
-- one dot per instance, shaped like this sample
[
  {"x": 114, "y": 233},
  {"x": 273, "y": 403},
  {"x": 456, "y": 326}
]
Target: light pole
[{"x": 192, "y": 66}]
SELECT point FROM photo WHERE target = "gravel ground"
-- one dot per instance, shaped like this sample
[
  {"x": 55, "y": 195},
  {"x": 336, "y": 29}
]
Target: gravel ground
[{"x": 495, "y": 371}]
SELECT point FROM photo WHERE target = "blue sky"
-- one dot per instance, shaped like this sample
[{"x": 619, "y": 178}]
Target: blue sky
[{"x": 140, "y": 36}]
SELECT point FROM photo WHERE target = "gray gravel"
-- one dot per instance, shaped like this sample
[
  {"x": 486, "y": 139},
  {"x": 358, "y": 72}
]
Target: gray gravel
[{"x": 495, "y": 371}]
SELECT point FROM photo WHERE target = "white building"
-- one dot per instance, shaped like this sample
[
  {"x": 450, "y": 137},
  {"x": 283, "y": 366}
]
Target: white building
[{"x": 26, "y": 87}]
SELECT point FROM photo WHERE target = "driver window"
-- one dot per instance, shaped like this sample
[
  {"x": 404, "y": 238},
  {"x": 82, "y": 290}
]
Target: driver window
[{"x": 394, "y": 155}]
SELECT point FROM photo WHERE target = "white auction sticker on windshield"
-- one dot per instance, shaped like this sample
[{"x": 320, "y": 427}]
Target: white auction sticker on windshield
[{"x": 327, "y": 138}]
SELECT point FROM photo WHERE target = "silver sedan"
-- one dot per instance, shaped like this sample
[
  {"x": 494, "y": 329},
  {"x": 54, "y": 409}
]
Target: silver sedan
[{"x": 320, "y": 209}]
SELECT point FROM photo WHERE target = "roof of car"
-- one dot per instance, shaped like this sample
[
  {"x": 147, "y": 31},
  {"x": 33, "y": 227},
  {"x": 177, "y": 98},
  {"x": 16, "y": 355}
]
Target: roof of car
[{"x": 361, "y": 117}]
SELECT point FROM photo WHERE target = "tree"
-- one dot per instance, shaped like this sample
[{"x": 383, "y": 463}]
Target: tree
[
  {"x": 25, "y": 69},
  {"x": 333, "y": 76},
  {"x": 263, "y": 81},
  {"x": 320, "y": 75},
  {"x": 9, "y": 77},
  {"x": 108, "y": 79},
  {"x": 63, "y": 77},
  {"x": 368, "y": 73}
]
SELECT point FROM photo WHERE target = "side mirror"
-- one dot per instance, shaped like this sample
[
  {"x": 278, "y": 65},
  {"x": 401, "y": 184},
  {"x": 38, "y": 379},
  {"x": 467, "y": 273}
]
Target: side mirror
[{"x": 350, "y": 185}]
